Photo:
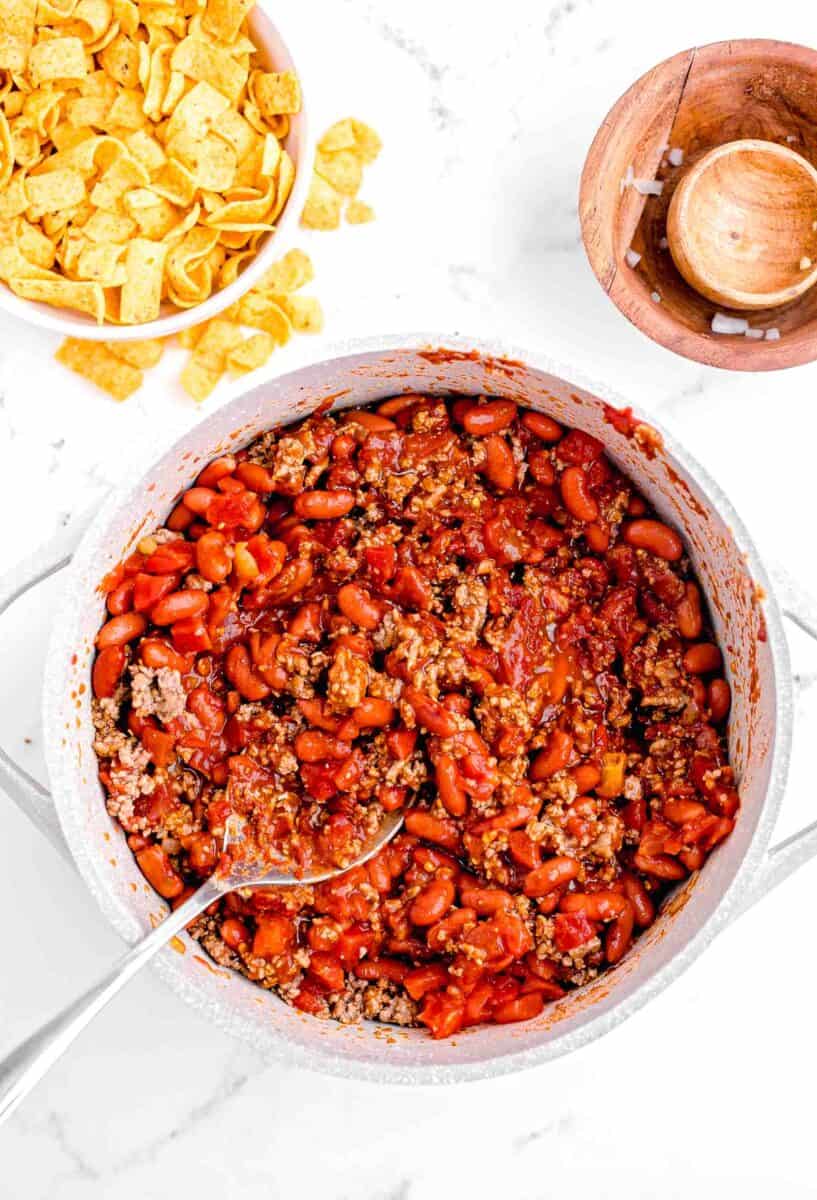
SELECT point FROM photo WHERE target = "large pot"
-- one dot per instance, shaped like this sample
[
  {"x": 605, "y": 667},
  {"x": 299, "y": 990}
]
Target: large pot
[{"x": 747, "y": 620}]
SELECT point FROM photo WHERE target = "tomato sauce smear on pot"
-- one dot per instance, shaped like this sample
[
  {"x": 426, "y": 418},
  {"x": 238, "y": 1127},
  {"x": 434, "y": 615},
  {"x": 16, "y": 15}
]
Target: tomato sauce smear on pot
[{"x": 455, "y": 608}]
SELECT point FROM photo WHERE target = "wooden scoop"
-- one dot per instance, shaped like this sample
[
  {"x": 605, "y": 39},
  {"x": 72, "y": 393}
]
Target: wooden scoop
[{"x": 742, "y": 225}]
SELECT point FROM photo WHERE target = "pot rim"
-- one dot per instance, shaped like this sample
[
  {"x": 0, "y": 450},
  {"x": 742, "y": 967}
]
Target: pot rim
[{"x": 321, "y": 1058}]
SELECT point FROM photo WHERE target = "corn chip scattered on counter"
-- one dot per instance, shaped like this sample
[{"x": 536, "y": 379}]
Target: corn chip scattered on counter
[{"x": 217, "y": 346}]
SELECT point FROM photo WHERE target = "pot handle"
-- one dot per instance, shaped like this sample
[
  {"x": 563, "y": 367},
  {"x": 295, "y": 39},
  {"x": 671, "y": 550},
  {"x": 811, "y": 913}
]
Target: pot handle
[
  {"x": 784, "y": 858},
  {"x": 29, "y": 795}
]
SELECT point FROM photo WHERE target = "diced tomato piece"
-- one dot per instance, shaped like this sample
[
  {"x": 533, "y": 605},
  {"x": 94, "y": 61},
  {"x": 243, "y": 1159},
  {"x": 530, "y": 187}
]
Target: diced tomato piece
[
  {"x": 443, "y": 1013},
  {"x": 571, "y": 930}
]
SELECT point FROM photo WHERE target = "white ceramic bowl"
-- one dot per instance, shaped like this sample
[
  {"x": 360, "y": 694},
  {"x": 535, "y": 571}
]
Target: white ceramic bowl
[
  {"x": 747, "y": 621},
  {"x": 275, "y": 54}
]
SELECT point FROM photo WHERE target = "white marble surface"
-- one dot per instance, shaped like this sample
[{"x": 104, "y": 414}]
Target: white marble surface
[{"x": 486, "y": 114}]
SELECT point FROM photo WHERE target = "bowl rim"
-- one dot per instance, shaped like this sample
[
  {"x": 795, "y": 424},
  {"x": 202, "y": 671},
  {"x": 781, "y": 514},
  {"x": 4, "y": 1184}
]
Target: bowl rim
[
  {"x": 56, "y": 319},
  {"x": 321, "y": 1057}
]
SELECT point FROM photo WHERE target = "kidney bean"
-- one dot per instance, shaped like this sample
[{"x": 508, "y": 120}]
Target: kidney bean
[
  {"x": 255, "y": 478},
  {"x": 392, "y": 798},
  {"x": 688, "y": 613},
  {"x": 498, "y": 466},
  {"x": 324, "y": 506},
  {"x": 702, "y": 659},
  {"x": 229, "y": 486},
  {"x": 343, "y": 447},
  {"x": 693, "y": 858},
  {"x": 554, "y": 758},
  {"x": 181, "y": 518},
  {"x": 120, "y": 600},
  {"x": 639, "y": 897},
  {"x": 178, "y": 606},
  {"x": 212, "y": 560},
  {"x": 315, "y": 711},
  {"x": 554, "y": 873},
  {"x": 401, "y": 743},
  {"x": 512, "y": 816},
  {"x": 218, "y": 469},
  {"x": 598, "y": 537},
  {"x": 481, "y": 419},
  {"x": 291, "y": 580},
  {"x": 156, "y": 652},
  {"x": 390, "y": 969},
  {"x": 432, "y": 903},
  {"x": 486, "y": 901},
  {"x": 202, "y": 853},
  {"x": 198, "y": 500},
  {"x": 619, "y": 935},
  {"x": 576, "y": 495},
  {"x": 234, "y": 933},
  {"x": 596, "y": 906},
  {"x": 430, "y": 714},
  {"x": 449, "y": 928},
  {"x": 371, "y": 422},
  {"x": 432, "y": 829},
  {"x": 659, "y": 865},
  {"x": 719, "y": 696},
  {"x": 449, "y": 786},
  {"x": 107, "y": 671},
  {"x": 542, "y": 425},
  {"x": 654, "y": 536},
  {"x": 681, "y": 811},
  {"x": 374, "y": 713},
  {"x": 160, "y": 872},
  {"x": 239, "y": 671},
  {"x": 312, "y": 745},
  {"x": 356, "y": 603},
  {"x": 121, "y": 629}
]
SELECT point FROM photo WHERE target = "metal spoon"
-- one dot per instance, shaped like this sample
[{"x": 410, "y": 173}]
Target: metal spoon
[{"x": 25, "y": 1066}]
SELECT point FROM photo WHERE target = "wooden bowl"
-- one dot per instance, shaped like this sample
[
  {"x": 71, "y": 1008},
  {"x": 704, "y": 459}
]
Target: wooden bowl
[
  {"x": 742, "y": 225},
  {"x": 694, "y": 102}
]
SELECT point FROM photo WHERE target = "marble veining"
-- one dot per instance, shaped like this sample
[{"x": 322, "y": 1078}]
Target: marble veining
[{"x": 486, "y": 115}]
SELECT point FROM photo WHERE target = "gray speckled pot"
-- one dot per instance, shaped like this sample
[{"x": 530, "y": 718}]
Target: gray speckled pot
[{"x": 748, "y": 623}]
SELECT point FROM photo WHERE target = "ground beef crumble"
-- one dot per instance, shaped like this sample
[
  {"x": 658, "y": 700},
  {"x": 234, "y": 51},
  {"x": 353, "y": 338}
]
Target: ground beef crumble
[{"x": 157, "y": 693}]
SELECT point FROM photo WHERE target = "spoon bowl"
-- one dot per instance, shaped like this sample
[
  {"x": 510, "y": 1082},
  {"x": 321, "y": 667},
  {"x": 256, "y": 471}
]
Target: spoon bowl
[
  {"x": 28, "y": 1063},
  {"x": 246, "y": 874},
  {"x": 742, "y": 225}
]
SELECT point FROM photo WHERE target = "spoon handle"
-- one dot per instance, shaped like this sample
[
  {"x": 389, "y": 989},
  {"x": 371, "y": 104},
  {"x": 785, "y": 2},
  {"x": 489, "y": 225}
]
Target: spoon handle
[{"x": 27, "y": 1063}]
